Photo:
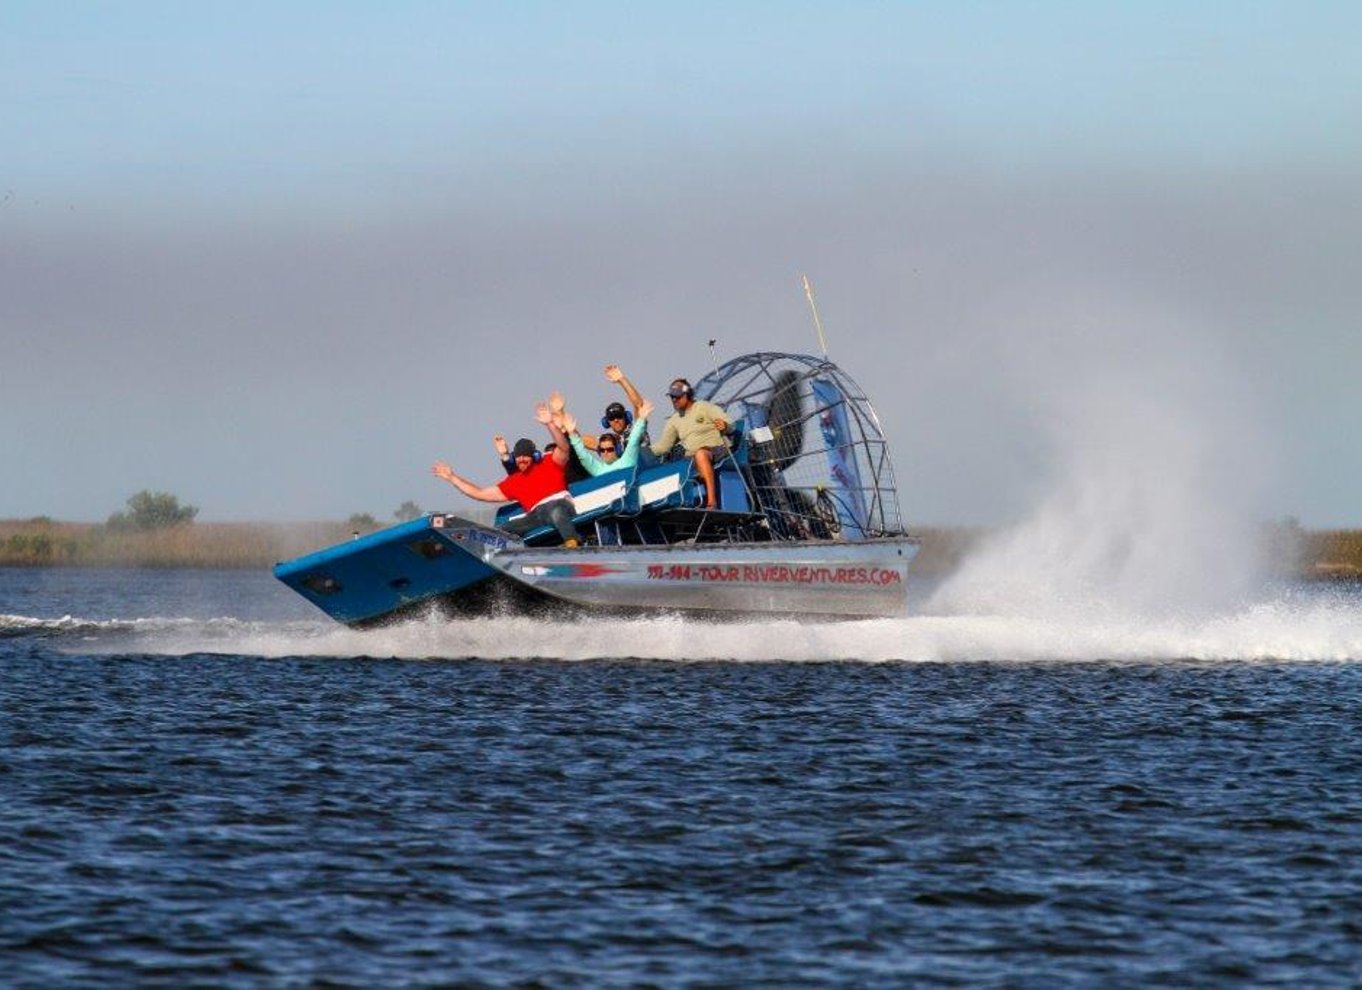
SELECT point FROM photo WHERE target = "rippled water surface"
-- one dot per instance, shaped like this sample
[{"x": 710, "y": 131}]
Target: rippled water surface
[{"x": 206, "y": 784}]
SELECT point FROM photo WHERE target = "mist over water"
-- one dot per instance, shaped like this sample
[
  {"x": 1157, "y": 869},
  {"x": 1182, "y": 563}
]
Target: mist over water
[
  {"x": 1151, "y": 510},
  {"x": 1143, "y": 545}
]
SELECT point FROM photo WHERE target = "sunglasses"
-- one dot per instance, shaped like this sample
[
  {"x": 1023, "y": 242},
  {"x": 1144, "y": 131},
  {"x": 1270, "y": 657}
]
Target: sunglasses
[{"x": 606, "y": 450}]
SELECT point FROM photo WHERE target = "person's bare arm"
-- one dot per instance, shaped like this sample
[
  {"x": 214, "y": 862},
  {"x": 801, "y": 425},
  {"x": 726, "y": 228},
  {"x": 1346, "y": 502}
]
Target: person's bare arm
[
  {"x": 489, "y": 493},
  {"x": 567, "y": 422},
  {"x": 614, "y": 374},
  {"x": 549, "y": 418}
]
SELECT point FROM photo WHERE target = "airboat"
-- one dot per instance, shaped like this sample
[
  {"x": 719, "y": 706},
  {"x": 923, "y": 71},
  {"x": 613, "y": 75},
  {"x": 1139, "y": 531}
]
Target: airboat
[{"x": 807, "y": 524}]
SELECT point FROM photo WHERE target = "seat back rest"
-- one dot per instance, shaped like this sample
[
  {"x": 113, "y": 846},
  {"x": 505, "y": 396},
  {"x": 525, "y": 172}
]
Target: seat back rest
[
  {"x": 667, "y": 485},
  {"x": 737, "y": 442},
  {"x": 591, "y": 497},
  {"x": 604, "y": 493},
  {"x": 663, "y": 486},
  {"x": 732, "y": 491}
]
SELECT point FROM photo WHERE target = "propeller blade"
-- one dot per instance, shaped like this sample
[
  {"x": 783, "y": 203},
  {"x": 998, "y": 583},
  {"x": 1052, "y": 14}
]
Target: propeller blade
[{"x": 785, "y": 416}]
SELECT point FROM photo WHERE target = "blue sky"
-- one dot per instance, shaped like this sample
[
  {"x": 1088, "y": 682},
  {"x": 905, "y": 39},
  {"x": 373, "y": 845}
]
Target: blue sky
[
  {"x": 217, "y": 100},
  {"x": 250, "y": 252}
]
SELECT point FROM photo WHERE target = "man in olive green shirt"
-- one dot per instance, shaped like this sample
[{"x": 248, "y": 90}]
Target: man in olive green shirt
[{"x": 699, "y": 428}]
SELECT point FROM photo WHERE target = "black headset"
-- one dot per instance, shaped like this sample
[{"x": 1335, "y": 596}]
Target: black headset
[
  {"x": 537, "y": 456},
  {"x": 628, "y": 421}
]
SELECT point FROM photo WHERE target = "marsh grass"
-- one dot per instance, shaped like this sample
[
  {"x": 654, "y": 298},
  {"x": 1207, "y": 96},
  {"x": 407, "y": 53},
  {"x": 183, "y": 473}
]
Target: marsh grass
[
  {"x": 44, "y": 543},
  {"x": 1333, "y": 553}
]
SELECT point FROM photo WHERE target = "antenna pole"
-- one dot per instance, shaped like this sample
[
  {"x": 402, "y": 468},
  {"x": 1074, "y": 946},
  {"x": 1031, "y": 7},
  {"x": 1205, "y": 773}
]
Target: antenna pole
[
  {"x": 813, "y": 307},
  {"x": 712, "y": 356}
]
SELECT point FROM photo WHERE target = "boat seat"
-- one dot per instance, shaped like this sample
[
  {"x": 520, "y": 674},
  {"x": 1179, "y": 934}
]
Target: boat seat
[
  {"x": 663, "y": 486},
  {"x": 676, "y": 485},
  {"x": 604, "y": 500},
  {"x": 593, "y": 498}
]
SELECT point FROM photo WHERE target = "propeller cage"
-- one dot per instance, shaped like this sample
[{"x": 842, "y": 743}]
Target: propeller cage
[{"x": 818, "y": 464}]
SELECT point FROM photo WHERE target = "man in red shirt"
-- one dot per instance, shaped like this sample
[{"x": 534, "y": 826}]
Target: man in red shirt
[{"x": 540, "y": 486}]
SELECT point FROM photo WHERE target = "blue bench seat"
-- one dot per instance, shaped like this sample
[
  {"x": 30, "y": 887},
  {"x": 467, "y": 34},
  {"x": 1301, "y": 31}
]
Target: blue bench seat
[
  {"x": 592, "y": 498},
  {"x": 644, "y": 490}
]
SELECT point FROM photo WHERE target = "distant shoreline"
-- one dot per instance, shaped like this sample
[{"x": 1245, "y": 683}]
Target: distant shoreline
[
  {"x": 46, "y": 543},
  {"x": 1294, "y": 552}
]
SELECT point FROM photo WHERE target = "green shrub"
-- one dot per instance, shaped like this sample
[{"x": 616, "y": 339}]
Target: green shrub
[
  {"x": 152, "y": 510},
  {"x": 362, "y": 522}
]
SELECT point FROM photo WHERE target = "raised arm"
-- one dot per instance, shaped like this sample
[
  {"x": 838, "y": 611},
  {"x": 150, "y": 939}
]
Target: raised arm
[
  {"x": 490, "y": 493},
  {"x": 614, "y": 374},
  {"x": 640, "y": 427},
  {"x": 546, "y": 415},
  {"x": 504, "y": 452}
]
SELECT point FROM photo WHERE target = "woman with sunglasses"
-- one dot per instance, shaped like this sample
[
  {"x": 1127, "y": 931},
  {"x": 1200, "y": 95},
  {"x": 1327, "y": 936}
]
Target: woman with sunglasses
[{"x": 608, "y": 456}]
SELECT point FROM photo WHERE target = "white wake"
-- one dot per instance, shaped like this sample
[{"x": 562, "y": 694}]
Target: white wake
[{"x": 1301, "y": 626}]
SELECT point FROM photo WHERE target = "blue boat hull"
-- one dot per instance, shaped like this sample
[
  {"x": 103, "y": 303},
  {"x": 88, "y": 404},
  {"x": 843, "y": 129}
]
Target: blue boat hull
[
  {"x": 461, "y": 567},
  {"x": 391, "y": 572}
]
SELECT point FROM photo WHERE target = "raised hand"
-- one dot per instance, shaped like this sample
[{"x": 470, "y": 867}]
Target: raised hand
[
  {"x": 613, "y": 373},
  {"x": 556, "y": 402},
  {"x": 646, "y": 409},
  {"x": 442, "y": 471},
  {"x": 569, "y": 423},
  {"x": 499, "y": 442},
  {"x": 543, "y": 413}
]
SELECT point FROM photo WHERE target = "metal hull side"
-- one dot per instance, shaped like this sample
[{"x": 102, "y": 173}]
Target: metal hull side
[
  {"x": 374, "y": 577},
  {"x": 822, "y": 578},
  {"x": 460, "y": 568}
]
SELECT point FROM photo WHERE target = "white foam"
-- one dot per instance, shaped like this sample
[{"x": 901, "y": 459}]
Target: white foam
[{"x": 1289, "y": 628}]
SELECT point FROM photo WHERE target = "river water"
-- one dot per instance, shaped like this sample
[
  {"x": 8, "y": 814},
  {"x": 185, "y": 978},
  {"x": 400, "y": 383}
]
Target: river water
[{"x": 205, "y": 782}]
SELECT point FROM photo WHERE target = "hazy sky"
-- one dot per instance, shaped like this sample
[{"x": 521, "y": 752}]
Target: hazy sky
[{"x": 277, "y": 258}]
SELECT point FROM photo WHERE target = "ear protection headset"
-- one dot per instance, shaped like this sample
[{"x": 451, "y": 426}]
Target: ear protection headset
[
  {"x": 537, "y": 456},
  {"x": 690, "y": 392}
]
